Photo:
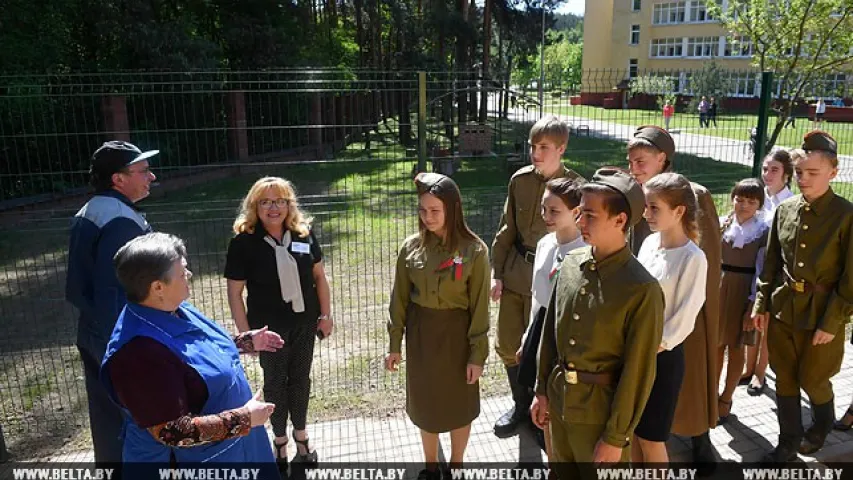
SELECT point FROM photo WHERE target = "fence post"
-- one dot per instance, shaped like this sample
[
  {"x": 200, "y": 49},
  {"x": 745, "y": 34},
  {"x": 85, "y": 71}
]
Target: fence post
[
  {"x": 422, "y": 105},
  {"x": 763, "y": 121},
  {"x": 114, "y": 110},
  {"x": 238, "y": 141}
]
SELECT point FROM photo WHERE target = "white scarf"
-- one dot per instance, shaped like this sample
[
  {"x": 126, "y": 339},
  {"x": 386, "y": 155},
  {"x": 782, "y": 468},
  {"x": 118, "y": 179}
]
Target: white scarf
[{"x": 288, "y": 272}]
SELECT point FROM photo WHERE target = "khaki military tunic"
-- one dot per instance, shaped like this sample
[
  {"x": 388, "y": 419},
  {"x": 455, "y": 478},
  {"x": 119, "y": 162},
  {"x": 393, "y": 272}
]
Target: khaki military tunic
[
  {"x": 696, "y": 411},
  {"x": 445, "y": 320},
  {"x": 522, "y": 224},
  {"x": 807, "y": 285},
  {"x": 604, "y": 317}
]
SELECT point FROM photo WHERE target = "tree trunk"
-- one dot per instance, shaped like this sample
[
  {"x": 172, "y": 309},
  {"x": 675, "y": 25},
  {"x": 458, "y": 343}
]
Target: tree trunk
[
  {"x": 359, "y": 31},
  {"x": 462, "y": 65},
  {"x": 487, "y": 51}
]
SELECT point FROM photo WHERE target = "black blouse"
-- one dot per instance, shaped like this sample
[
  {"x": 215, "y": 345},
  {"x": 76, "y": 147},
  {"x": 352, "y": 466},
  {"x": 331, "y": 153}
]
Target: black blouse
[{"x": 252, "y": 259}]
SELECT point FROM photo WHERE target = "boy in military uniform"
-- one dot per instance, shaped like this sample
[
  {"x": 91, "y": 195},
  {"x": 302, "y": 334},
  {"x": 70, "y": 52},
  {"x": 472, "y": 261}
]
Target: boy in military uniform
[
  {"x": 601, "y": 334},
  {"x": 805, "y": 297},
  {"x": 513, "y": 250}
]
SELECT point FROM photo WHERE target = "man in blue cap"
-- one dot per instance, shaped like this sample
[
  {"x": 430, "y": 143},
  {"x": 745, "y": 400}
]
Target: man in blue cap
[{"x": 121, "y": 177}]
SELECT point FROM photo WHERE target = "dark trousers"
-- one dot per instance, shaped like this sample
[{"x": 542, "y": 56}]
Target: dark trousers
[
  {"x": 287, "y": 378},
  {"x": 105, "y": 417}
]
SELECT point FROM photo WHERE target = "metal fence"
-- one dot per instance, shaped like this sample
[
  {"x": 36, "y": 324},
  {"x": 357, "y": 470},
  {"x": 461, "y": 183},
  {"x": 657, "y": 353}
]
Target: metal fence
[{"x": 348, "y": 140}]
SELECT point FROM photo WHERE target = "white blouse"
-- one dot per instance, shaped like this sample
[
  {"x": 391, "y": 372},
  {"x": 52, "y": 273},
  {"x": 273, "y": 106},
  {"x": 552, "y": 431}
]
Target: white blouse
[
  {"x": 549, "y": 254},
  {"x": 740, "y": 235},
  {"x": 682, "y": 273},
  {"x": 773, "y": 201}
]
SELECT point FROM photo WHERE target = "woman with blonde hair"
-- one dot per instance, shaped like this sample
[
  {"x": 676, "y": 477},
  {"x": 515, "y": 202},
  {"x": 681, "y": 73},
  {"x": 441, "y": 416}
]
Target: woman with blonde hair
[{"x": 276, "y": 257}]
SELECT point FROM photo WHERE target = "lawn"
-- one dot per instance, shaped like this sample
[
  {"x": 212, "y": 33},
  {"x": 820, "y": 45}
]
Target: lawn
[{"x": 729, "y": 125}]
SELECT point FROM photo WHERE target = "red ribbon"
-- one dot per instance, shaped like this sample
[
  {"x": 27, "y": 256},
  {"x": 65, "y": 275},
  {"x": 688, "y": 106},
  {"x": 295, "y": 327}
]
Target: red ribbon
[{"x": 452, "y": 261}]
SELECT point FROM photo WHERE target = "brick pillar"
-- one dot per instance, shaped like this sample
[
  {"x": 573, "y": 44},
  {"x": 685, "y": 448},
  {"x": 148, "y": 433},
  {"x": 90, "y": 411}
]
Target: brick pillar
[
  {"x": 238, "y": 140},
  {"x": 114, "y": 110}
]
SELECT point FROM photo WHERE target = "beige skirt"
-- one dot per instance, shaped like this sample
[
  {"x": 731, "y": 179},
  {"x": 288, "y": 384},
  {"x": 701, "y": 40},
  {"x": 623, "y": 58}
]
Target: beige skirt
[{"x": 438, "y": 399}]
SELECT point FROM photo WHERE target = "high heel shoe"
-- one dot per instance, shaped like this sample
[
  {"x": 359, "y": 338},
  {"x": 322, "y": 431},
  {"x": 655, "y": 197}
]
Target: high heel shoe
[
  {"x": 280, "y": 460},
  {"x": 309, "y": 457},
  {"x": 841, "y": 425}
]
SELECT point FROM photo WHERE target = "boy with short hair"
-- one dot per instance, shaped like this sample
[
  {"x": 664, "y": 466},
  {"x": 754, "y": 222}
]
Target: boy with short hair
[
  {"x": 808, "y": 272},
  {"x": 601, "y": 335},
  {"x": 513, "y": 250}
]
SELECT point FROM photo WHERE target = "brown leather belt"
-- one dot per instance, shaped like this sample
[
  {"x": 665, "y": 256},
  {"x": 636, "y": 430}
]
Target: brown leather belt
[
  {"x": 805, "y": 287},
  {"x": 573, "y": 377}
]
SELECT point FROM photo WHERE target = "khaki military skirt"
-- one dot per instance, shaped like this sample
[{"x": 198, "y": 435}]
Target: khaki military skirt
[{"x": 438, "y": 399}]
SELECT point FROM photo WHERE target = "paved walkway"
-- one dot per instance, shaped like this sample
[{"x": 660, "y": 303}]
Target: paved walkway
[{"x": 751, "y": 431}]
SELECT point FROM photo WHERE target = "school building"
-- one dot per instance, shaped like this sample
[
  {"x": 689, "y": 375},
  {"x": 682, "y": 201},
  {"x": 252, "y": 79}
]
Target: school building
[{"x": 627, "y": 38}]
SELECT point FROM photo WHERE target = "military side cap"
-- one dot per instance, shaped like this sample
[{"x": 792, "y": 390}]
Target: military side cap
[
  {"x": 628, "y": 187},
  {"x": 430, "y": 182},
  {"x": 819, "y": 140},
  {"x": 658, "y": 137}
]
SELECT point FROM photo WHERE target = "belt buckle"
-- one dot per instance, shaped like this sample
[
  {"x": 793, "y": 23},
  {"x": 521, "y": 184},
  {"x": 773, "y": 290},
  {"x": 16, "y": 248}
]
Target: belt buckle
[
  {"x": 572, "y": 377},
  {"x": 529, "y": 257},
  {"x": 799, "y": 287}
]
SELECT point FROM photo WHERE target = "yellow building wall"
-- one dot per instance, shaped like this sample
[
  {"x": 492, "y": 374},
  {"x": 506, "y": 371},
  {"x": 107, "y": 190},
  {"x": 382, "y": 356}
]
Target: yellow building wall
[{"x": 607, "y": 48}]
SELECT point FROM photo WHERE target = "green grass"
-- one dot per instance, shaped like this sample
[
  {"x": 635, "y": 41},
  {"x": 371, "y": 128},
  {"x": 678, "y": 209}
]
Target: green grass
[{"x": 734, "y": 126}]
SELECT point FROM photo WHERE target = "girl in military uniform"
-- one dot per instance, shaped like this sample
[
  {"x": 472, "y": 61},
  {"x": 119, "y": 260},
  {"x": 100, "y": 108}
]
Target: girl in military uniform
[
  {"x": 744, "y": 238},
  {"x": 777, "y": 171},
  {"x": 805, "y": 297},
  {"x": 679, "y": 265},
  {"x": 440, "y": 304},
  {"x": 559, "y": 210}
]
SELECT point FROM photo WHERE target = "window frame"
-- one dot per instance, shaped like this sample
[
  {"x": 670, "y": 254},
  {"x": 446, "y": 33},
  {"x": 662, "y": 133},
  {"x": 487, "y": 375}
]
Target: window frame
[{"x": 631, "y": 34}]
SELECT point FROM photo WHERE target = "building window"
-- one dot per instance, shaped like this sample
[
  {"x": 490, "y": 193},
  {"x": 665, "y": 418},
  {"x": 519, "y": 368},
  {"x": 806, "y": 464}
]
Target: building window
[
  {"x": 633, "y": 68},
  {"x": 635, "y": 34},
  {"x": 702, "y": 46},
  {"x": 698, "y": 12},
  {"x": 635, "y": 5},
  {"x": 835, "y": 85},
  {"x": 667, "y": 13},
  {"x": 667, "y": 47},
  {"x": 738, "y": 47},
  {"x": 744, "y": 84}
]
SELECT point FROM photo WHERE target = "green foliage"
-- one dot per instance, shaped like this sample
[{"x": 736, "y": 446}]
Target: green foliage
[
  {"x": 710, "y": 81},
  {"x": 563, "y": 63},
  {"x": 801, "y": 41},
  {"x": 662, "y": 87}
]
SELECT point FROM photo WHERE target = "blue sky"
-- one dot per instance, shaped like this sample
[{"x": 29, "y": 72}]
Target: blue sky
[{"x": 572, "y": 6}]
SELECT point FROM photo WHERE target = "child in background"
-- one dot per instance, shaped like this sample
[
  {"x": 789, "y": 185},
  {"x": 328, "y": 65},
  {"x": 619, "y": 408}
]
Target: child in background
[
  {"x": 744, "y": 238},
  {"x": 668, "y": 112}
]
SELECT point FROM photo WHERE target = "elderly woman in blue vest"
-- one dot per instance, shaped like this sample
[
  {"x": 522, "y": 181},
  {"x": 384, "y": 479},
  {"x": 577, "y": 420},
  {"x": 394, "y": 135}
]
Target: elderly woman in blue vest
[{"x": 176, "y": 373}]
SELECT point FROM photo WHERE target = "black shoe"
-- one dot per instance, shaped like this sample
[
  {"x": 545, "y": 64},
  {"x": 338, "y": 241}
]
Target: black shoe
[
  {"x": 824, "y": 417},
  {"x": 704, "y": 459},
  {"x": 508, "y": 424},
  {"x": 841, "y": 425},
  {"x": 756, "y": 391},
  {"x": 790, "y": 431},
  {"x": 519, "y": 414},
  {"x": 281, "y": 457},
  {"x": 309, "y": 458},
  {"x": 427, "y": 474}
]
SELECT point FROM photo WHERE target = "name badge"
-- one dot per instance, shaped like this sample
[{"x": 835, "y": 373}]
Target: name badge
[{"x": 300, "y": 247}]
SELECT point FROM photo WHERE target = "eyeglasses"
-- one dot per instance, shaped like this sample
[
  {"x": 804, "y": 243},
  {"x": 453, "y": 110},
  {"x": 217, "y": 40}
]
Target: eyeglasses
[
  {"x": 143, "y": 171},
  {"x": 267, "y": 204}
]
